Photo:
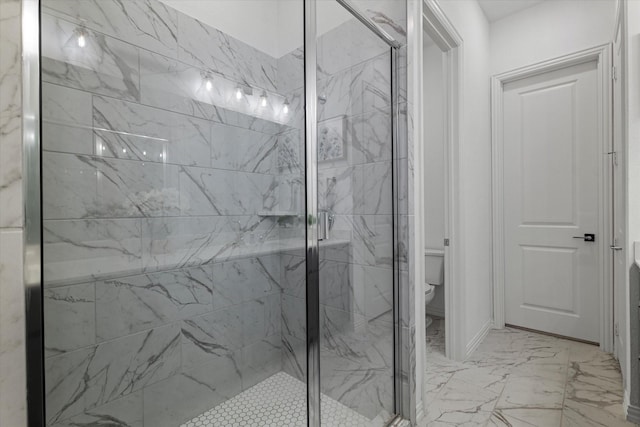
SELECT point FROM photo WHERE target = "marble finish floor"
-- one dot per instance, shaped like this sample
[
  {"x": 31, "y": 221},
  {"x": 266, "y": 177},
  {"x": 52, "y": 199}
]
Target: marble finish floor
[
  {"x": 278, "y": 401},
  {"x": 520, "y": 378}
]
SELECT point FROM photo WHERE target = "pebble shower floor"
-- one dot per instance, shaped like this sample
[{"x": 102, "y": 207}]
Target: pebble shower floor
[{"x": 278, "y": 401}]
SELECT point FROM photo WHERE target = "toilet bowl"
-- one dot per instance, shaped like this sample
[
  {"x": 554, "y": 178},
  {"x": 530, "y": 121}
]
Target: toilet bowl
[{"x": 434, "y": 275}]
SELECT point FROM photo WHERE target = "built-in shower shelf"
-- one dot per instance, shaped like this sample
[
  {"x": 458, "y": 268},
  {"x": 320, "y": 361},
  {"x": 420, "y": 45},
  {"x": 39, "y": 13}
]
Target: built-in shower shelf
[{"x": 280, "y": 214}]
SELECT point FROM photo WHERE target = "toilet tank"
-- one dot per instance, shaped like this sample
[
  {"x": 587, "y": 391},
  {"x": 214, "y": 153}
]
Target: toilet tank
[{"x": 434, "y": 266}]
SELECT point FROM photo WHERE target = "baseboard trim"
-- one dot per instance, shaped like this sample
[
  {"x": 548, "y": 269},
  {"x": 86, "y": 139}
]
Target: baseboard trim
[
  {"x": 480, "y": 336},
  {"x": 436, "y": 311},
  {"x": 633, "y": 413}
]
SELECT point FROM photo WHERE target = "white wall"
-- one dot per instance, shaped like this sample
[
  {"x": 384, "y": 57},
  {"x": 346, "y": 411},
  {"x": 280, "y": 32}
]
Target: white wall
[
  {"x": 475, "y": 164},
  {"x": 434, "y": 156},
  {"x": 632, "y": 70},
  {"x": 272, "y": 26},
  {"x": 548, "y": 30},
  {"x": 433, "y": 116}
]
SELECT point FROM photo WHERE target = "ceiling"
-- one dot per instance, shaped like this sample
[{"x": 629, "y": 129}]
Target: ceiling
[{"x": 498, "y": 9}]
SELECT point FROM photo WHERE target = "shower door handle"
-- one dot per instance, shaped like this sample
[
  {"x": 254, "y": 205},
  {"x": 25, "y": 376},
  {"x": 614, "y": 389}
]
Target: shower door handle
[{"x": 325, "y": 224}]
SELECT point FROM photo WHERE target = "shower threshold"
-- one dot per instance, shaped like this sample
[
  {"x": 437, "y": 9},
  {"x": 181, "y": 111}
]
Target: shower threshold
[{"x": 280, "y": 400}]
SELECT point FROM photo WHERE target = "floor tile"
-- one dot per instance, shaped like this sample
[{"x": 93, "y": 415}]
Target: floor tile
[
  {"x": 525, "y": 417},
  {"x": 577, "y": 414},
  {"x": 280, "y": 401},
  {"x": 522, "y": 378}
]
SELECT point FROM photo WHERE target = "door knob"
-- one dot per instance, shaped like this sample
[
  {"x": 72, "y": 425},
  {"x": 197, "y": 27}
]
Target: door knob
[
  {"x": 588, "y": 237},
  {"x": 615, "y": 248}
]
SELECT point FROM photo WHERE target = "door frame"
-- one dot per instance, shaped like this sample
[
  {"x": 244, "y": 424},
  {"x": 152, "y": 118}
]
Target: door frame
[
  {"x": 602, "y": 55},
  {"x": 436, "y": 24}
]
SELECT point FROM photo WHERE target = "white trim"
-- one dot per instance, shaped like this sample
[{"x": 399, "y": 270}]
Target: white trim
[
  {"x": 633, "y": 414},
  {"x": 436, "y": 311},
  {"x": 441, "y": 30},
  {"x": 477, "y": 340},
  {"x": 414, "y": 109},
  {"x": 601, "y": 54}
]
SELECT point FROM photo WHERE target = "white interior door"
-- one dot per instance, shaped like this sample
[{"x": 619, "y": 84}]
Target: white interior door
[{"x": 551, "y": 155}]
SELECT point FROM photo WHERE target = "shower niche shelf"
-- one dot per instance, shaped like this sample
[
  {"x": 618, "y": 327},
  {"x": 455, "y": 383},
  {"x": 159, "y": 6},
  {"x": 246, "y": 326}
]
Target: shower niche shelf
[{"x": 280, "y": 214}]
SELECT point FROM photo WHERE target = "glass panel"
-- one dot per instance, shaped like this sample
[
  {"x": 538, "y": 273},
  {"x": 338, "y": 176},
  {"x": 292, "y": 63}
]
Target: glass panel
[
  {"x": 356, "y": 210},
  {"x": 173, "y": 205}
]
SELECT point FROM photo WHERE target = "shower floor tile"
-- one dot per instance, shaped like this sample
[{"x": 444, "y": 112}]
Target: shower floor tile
[{"x": 281, "y": 401}]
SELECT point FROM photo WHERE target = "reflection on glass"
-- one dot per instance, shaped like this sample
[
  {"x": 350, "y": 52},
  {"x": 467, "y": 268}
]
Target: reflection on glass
[
  {"x": 355, "y": 195},
  {"x": 173, "y": 187}
]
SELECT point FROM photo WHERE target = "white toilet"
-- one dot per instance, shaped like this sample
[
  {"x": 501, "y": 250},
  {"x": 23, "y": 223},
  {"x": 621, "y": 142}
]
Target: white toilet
[{"x": 434, "y": 275}]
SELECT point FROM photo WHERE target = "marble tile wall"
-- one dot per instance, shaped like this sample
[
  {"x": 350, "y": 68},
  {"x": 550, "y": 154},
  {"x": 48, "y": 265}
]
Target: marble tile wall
[
  {"x": 162, "y": 295},
  {"x": 12, "y": 339},
  {"x": 356, "y": 275},
  {"x": 126, "y": 237}
]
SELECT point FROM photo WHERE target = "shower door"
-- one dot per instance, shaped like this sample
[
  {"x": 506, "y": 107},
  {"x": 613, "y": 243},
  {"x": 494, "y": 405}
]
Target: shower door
[
  {"x": 217, "y": 214},
  {"x": 173, "y": 212},
  {"x": 350, "y": 171}
]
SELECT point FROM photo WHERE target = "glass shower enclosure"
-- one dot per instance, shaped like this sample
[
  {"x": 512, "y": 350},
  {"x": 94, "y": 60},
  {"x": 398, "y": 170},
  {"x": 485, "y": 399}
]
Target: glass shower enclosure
[{"x": 218, "y": 214}]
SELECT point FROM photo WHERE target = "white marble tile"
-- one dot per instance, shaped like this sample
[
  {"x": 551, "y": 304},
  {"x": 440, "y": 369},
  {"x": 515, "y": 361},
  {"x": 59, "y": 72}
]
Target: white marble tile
[
  {"x": 371, "y": 139},
  {"x": 293, "y": 275},
  {"x": 576, "y": 414},
  {"x": 242, "y": 149},
  {"x": 291, "y": 152},
  {"x": 540, "y": 380},
  {"x": 334, "y": 55},
  {"x": 525, "y": 417},
  {"x": 66, "y": 120},
  {"x": 88, "y": 378},
  {"x": 188, "y": 241},
  {"x": 212, "y": 337},
  {"x": 11, "y": 171},
  {"x": 294, "y": 356},
  {"x": 173, "y": 401},
  {"x": 337, "y": 286},
  {"x": 10, "y": 58},
  {"x": 131, "y": 304},
  {"x": 290, "y": 70},
  {"x": 356, "y": 361},
  {"x": 377, "y": 189},
  {"x": 245, "y": 279},
  {"x": 69, "y": 318},
  {"x": 460, "y": 403},
  {"x": 105, "y": 65},
  {"x": 294, "y": 317},
  {"x": 127, "y": 130},
  {"x": 207, "y": 47},
  {"x": 261, "y": 360},
  {"x": 82, "y": 250},
  {"x": 123, "y": 412},
  {"x": 280, "y": 401},
  {"x": 80, "y": 186},
  {"x": 10, "y": 115},
  {"x": 176, "y": 86},
  {"x": 12, "y": 344},
  {"x": 537, "y": 390},
  {"x": 391, "y": 15},
  {"x": 340, "y": 190},
  {"x": 149, "y": 23},
  {"x": 205, "y": 191}
]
